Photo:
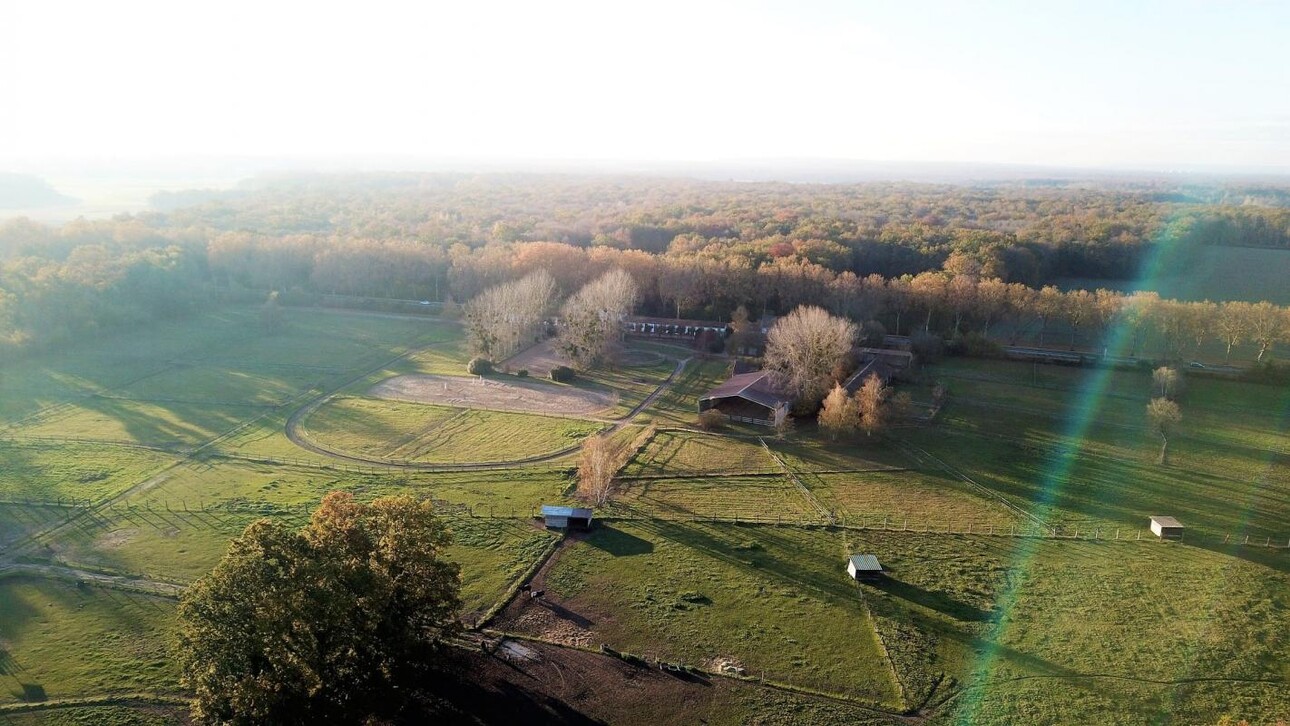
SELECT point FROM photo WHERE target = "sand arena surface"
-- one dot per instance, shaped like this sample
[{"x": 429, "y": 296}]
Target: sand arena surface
[{"x": 502, "y": 393}]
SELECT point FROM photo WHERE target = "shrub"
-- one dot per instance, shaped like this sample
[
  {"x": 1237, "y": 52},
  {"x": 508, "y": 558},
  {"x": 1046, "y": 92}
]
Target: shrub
[
  {"x": 563, "y": 374},
  {"x": 522, "y": 373},
  {"x": 973, "y": 345},
  {"x": 711, "y": 420},
  {"x": 479, "y": 366},
  {"x": 927, "y": 346}
]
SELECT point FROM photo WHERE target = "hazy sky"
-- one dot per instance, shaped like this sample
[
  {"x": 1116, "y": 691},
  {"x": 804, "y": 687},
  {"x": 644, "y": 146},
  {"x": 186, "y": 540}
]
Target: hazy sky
[{"x": 1121, "y": 83}]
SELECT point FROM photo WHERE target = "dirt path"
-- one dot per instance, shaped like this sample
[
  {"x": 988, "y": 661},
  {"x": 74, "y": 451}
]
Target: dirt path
[{"x": 117, "y": 582}]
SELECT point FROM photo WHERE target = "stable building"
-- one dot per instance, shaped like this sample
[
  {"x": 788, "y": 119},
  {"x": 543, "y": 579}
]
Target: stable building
[
  {"x": 1166, "y": 527},
  {"x": 560, "y": 517},
  {"x": 863, "y": 567},
  {"x": 748, "y": 397}
]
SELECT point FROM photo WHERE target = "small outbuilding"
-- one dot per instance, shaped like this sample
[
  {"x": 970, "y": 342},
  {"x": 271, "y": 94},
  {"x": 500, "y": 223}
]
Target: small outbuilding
[
  {"x": 1166, "y": 527},
  {"x": 559, "y": 517},
  {"x": 863, "y": 567}
]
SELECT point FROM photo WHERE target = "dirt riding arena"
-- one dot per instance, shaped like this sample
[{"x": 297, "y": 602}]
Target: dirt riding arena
[
  {"x": 538, "y": 360},
  {"x": 508, "y": 394}
]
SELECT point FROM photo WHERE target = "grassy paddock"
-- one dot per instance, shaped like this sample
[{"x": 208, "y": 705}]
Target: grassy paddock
[
  {"x": 922, "y": 499},
  {"x": 64, "y": 641},
  {"x": 776, "y": 599},
  {"x": 50, "y": 472},
  {"x": 762, "y": 498},
  {"x": 493, "y": 553},
  {"x": 681, "y": 453},
  {"x": 398, "y": 431}
]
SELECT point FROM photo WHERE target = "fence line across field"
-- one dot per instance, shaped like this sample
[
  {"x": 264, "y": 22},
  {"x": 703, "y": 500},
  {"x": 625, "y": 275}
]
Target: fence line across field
[{"x": 454, "y": 510}]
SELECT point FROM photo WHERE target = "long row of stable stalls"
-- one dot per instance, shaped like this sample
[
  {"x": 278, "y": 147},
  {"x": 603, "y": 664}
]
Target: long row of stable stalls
[{"x": 669, "y": 328}]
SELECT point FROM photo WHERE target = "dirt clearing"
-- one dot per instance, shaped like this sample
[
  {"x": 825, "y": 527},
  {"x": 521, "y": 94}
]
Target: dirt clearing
[{"x": 506, "y": 394}]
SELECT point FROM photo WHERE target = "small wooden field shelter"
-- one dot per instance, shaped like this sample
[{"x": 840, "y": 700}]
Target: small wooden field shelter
[
  {"x": 1166, "y": 527},
  {"x": 863, "y": 567},
  {"x": 558, "y": 517}
]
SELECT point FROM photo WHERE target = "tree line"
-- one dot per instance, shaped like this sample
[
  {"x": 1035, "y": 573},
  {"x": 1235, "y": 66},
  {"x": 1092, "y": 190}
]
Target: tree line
[{"x": 943, "y": 259}]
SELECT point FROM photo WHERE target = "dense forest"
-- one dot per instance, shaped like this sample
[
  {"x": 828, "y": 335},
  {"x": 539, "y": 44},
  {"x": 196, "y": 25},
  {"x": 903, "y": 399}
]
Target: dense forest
[{"x": 953, "y": 255}]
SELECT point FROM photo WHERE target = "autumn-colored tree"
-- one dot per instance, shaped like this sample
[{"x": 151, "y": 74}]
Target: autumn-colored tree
[
  {"x": 598, "y": 463},
  {"x": 1163, "y": 416},
  {"x": 839, "y": 416},
  {"x": 872, "y": 405},
  {"x": 338, "y": 622}
]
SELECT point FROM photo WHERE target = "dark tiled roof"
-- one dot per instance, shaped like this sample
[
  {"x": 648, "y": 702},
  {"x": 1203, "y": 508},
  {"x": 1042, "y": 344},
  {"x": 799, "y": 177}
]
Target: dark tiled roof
[{"x": 755, "y": 387}]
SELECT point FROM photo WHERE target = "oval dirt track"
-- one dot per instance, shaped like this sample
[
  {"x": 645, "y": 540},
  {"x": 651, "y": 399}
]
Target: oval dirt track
[{"x": 501, "y": 394}]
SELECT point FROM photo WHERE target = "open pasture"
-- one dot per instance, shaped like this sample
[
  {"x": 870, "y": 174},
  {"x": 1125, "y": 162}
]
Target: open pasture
[
  {"x": 1076, "y": 448},
  {"x": 921, "y": 500},
  {"x": 775, "y": 600},
  {"x": 398, "y": 431},
  {"x": 762, "y": 498},
  {"x": 493, "y": 554},
  {"x": 681, "y": 453},
  {"x": 59, "y": 640},
  {"x": 48, "y": 472}
]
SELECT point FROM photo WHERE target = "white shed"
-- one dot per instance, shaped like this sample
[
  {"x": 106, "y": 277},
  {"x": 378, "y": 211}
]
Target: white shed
[
  {"x": 861, "y": 567},
  {"x": 1166, "y": 527}
]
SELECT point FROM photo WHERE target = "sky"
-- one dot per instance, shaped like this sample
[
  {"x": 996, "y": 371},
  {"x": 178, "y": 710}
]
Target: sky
[{"x": 1138, "y": 85}]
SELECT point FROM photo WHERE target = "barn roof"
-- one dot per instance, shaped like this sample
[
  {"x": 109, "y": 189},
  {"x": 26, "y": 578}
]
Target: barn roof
[
  {"x": 755, "y": 387},
  {"x": 865, "y": 563},
  {"x": 1166, "y": 521},
  {"x": 549, "y": 510}
]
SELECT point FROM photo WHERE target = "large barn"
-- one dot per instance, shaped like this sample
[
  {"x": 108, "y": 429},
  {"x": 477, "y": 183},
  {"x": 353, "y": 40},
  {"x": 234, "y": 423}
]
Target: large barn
[{"x": 748, "y": 397}]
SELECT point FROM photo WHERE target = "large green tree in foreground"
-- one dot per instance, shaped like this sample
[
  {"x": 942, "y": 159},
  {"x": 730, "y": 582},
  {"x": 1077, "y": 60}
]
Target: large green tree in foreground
[{"x": 334, "y": 623}]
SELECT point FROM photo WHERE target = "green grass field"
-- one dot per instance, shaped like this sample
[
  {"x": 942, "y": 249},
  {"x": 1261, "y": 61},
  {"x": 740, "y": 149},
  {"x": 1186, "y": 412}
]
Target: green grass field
[
  {"x": 762, "y": 498},
  {"x": 968, "y": 628},
  {"x": 493, "y": 554},
  {"x": 397, "y": 431},
  {"x": 915, "y": 499},
  {"x": 64, "y": 641},
  {"x": 1218, "y": 273},
  {"x": 673, "y": 453},
  {"x": 776, "y": 600},
  {"x": 1037, "y": 442},
  {"x": 48, "y": 472}
]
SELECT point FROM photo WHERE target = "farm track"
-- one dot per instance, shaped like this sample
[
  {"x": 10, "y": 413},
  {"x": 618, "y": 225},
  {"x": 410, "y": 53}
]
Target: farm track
[
  {"x": 295, "y": 434},
  {"x": 99, "y": 579}
]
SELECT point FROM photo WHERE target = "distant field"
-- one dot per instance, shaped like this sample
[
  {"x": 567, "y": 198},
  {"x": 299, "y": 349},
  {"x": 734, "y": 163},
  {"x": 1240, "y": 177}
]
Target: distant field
[
  {"x": 50, "y": 472},
  {"x": 1219, "y": 273},
  {"x": 1047, "y": 448}
]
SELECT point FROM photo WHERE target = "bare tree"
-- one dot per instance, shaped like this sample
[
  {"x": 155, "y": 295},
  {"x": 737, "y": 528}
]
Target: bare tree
[
  {"x": 591, "y": 322},
  {"x": 598, "y": 463},
  {"x": 872, "y": 404},
  {"x": 1166, "y": 382},
  {"x": 503, "y": 318},
  {"x": 1268, "y": 323},
  {"x": 1233, "y": 323},
  {"x": 803, "y": 349},
  {"x": 1163, "y": 417},
  {"x": 839, "y": 415}
]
